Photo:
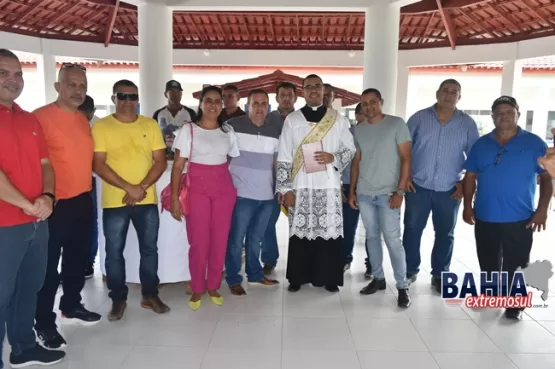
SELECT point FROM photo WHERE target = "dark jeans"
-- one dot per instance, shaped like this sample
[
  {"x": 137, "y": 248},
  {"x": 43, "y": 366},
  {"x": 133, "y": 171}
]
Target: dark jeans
[
  {"x": 503, "y": 246},
  {"x": 23, "y": 255},
  {"x": 94, "y": 238},
  {"x": 145, "y": 220},
  {"x": 350, "y": 224},
  {"x": 444, "y": 211},
  {"x": 270, "y": 249},
  {"x": 70, "y": 228},
  {"x": 248, "y": 223}
]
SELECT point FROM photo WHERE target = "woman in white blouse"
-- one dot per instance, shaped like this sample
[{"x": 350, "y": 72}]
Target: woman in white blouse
[{"x": 212, "y": 195}]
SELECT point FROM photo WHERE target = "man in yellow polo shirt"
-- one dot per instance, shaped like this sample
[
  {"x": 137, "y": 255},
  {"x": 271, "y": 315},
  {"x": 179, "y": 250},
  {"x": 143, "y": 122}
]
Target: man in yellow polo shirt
[{"x": 129, "y": 156}]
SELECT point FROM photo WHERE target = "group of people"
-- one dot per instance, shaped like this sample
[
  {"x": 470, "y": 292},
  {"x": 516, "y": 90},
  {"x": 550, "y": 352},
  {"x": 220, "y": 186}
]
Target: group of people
[{"x": 232, "y": 172}]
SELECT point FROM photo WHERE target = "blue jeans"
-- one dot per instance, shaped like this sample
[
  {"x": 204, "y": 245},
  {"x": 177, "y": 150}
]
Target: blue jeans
[
  {"x": 350, "y": 223},
  {"x": 145, "y": 220},
  {"x": 248, "y": 223},
  {"x": 23, "y": 257},
  {"x": 379, "y": 218},
  {"x": 94, "y": 240},
  {"x": 444, "y": 211},
  {"x": 270, "y": 249}
]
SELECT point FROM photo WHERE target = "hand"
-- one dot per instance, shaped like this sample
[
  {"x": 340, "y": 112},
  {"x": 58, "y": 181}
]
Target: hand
[
  {"x": 468, "y": 215},
  {"x": 135, "y": 192},
  {"x": 410, "y": 186},
  {"x": 31, "y": 209},
  {"x": 289, "y": 199},
  {"x": 323, "y": 157},
  {"x": 353, "y": 201},
  {"x": 395, "y": 201},
  {"x": 458, "y": 194},
  {"x": 44, "y": 206},
  {"x": 176, "y": 210},
  {"x": 538, "y": 221},
  {"x": 548, "y": 161},
  {"x": 128, "y": 200}
]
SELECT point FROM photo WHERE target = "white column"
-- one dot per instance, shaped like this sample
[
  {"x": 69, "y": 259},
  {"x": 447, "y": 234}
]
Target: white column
[
  {"x": 155, "y": 54},
  {"x": 511, "y": 77},
  {"x": 381, "y": 40},
  {"x": 402, "y": 92},
  {"x": 46, "y": 67}
]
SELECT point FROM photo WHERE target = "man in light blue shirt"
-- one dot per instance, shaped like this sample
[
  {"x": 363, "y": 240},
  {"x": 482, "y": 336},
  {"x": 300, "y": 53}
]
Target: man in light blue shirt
[{"x": 442, "y": 137}]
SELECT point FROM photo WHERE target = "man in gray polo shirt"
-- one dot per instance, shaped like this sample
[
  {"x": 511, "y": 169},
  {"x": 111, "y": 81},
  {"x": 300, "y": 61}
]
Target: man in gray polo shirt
[
  {"x": 253, "y": 176},
  {"x": 379, "y": 179}
]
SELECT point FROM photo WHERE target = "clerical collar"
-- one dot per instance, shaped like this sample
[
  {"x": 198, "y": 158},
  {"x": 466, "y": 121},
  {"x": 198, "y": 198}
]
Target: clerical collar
[{"x": 315, "y": 108}]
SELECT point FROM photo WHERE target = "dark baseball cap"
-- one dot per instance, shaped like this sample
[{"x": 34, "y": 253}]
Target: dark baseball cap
[
  {"x": 505, "y": 100},
  {"x": 173, "y": 84}
]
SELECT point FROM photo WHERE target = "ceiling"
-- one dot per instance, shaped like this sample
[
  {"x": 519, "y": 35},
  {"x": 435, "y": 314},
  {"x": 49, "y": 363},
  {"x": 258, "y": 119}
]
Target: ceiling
[{"x": 425, "y": 24}]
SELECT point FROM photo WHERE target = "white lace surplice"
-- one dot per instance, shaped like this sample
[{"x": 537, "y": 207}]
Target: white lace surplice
[{"x": 318, "y": 210}]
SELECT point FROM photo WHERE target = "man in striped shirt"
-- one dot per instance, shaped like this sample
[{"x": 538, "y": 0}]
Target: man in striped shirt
[
  {"x": 442, "y": 137},
  {"x": 253, "y": 176}
]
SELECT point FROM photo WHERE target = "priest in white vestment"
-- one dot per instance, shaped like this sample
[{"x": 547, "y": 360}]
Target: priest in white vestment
[{"x": 315, "y": 146}]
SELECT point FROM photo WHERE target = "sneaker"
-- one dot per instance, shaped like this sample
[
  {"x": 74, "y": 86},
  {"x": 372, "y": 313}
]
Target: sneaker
[
  {"x": 368, "y": 274},
  {"x": 89, "y": 271},
  {"x": 155, "y": 304},
  {"x": 51, "y": 339},
  {"x": 81, "y": 316},
  {"x": 265, "y": 282},
  {"x": 436, "y": 284},
  {"x": 36, "y": 356}
]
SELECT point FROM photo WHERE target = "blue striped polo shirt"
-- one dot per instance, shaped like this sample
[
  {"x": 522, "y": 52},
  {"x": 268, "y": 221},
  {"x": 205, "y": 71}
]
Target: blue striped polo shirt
[
  {"x": 253, "y": 171},
  {"x": 440, "y": 150}
]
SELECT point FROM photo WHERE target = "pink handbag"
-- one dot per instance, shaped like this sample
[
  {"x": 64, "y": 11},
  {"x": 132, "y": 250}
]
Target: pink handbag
[{"x": 166, "y": 194}]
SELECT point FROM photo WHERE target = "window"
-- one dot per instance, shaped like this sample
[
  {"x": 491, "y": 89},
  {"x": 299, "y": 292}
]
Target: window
[
  {"x": 483, "y": 120},
  {"x": 550, "y": 125},
  {"x": 529, "y": 120}
]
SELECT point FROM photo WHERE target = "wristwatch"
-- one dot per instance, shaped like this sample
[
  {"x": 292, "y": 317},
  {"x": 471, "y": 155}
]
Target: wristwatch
[
  {"x": 51, "y": 195},
  {"x": 400, "y": 192}
]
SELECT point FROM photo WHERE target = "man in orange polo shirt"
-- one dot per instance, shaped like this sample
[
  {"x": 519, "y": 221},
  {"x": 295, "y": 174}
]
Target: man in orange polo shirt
[{"x": 68, "y": 137}]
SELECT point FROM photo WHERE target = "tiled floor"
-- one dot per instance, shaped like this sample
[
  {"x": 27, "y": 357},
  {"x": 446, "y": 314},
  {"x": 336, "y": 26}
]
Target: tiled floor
[{"x": 273, "y": 329}]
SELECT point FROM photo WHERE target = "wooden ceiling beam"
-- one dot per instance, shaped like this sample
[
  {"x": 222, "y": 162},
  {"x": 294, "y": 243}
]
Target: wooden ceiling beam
[
  {"x": 426, "y": 6},
  {"x": 506, "y": 17},
  {"x": 448, "y": 23},
  {"x": 59, "y": 15},
  {"x": 110, "y": 23},
  {"x": 113, "y": 3},
  {"x": 21, "y": 16}
]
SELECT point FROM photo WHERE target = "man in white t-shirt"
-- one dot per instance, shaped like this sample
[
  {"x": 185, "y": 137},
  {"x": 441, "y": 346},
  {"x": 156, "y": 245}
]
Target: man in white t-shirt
[{"x": 174, "y": 115}]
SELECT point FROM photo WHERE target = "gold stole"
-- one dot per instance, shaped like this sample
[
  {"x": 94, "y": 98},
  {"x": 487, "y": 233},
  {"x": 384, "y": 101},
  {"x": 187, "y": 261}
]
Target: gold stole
[{"x": 317, "y": 133}]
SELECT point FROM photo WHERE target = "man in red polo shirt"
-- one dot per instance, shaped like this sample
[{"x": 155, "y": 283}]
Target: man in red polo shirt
[{"x": 26, "y": 200}]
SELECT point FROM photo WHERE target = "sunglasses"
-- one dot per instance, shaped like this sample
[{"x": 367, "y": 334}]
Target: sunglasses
[
  {"x": 499, "y": 155},
  {"x": 131, "y": 97},
  {"x": 73, "y": 65}
]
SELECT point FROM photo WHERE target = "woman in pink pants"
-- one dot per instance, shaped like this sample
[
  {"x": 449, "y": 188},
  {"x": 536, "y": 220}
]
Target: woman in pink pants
[{"x": 212, "y": 195}]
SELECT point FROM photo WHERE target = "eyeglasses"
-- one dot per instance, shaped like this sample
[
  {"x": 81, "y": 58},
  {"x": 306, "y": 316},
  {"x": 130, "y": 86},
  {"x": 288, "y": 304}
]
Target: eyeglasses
[
  {"x": 73, "y": 65},
  {"x": 123, "y": 96},
  {"x": 498, "y": 156},
  {"x": 313, "y": 87}
]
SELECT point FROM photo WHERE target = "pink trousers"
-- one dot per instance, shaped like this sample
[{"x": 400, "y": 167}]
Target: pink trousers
[{"x": 212, "y": 197}]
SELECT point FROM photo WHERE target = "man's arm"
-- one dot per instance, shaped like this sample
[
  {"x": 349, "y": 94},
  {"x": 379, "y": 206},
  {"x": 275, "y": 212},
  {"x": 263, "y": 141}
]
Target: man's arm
[
  {"x": 469, "y": 188},
  {"x": 106, "y": 173},
  {"x": 158, "y": 168},
  {"x": 404, "y": 153},
  {"x": 11, "y": 195},
  {"x": 48, "y": 177},
  {"x": 355, "y": 169},
  {"x": 546, "y": 191}
]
